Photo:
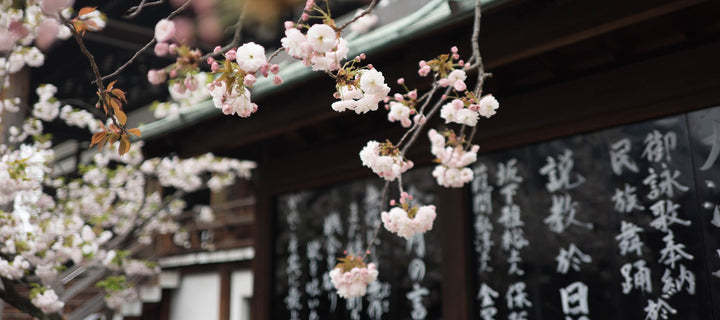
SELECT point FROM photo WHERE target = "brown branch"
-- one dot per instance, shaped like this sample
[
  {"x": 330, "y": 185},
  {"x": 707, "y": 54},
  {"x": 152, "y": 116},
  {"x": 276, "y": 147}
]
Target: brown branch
[
  {"x": 432, "y": 111},
  {"x": 365, "y": 12},
  {"x": 86, "y": 52},
  {"x": 134, "y": 11},
  {"x": 476, "y": 59},
  {"x": 236, "y": 37},
  {"x": 147, "y": 46}
]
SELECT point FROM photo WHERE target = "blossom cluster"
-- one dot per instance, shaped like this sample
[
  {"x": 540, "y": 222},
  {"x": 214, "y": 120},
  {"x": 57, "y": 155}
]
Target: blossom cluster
[
  {"x": 363, "y": 94},
  {"x": 27, "y": 27},
  {"x": 351, "y": 277},
  {"x": 401, "y": 106},
  {"x": 384, "y": 159},
  {"x": 48, "y": 301},
  {"x": 453, "y": 158},
  {"x": 406, "y": 221},
  {"x": 320, "y": 48},
  {"x": 237, "y": 74}
]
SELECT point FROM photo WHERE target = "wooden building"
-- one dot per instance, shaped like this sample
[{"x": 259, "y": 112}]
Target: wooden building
[{"x": 562, "y": 70}]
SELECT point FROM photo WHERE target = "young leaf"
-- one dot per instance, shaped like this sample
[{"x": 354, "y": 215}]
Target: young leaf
[
  {"x": 121, "y": 116},
  {"x": 134, "y": 131},
  {"x": 86, "y": 10},
  {"x": 124, "y": 145},
  {"x": 96, "y": 138}
]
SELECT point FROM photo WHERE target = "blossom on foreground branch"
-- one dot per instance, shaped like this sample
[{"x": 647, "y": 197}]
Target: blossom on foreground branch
[{"x": 53, "y": 224}]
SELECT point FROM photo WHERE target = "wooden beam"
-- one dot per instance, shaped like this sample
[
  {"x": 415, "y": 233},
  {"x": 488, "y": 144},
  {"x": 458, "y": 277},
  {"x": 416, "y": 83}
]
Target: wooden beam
[{"x": 508, "y": 37}]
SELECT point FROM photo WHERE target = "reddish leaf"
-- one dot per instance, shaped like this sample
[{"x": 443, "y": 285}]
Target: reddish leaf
[
  {"x": 135, "y": 132},
  {"x": 96, "y": 138},
  {"x": 124, "y": 145},
  {"x": 86, "y": 10},
  {"x": 119, "y": 94},
  {"x": 113, "y": 137},
  {"x": 120, "y": 115}
]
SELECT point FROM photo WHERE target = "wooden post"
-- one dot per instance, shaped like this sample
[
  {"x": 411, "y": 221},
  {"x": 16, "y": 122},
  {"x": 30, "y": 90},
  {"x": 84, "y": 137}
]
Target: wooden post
[{"x": 453, "y": 212}]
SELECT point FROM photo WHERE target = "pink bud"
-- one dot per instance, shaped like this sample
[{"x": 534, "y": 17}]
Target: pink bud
[
  {"x": 231, "y": 54},
  {"x": 275, "y": 69},
  {"x": 210, "y": 60},
  {"x": 309, "y": 4},
  {"x": 173, "y": 48},
  {"x": 412, "y": 94},
  {"x": 456, "y": 56},
  {"x": 217, "y": 49},
  {"x": 277, "y": 80},
  {"x": 422, "y": 63},
  {"x": 214, "y": 66},
  {"x": 249, "y": 80},
  {"x": 444, "y": 82},
  {"x": 454, "y": 49},
  {"x": 370, "y": 66},
  {"x": 173, "y": 74},
  {"x": 424, "y": 70},
  {"x": 392, "y": 202},
  {"x": 164, "y": 30},
  {"x": 398, "y": 97},
  {"x": 156, "y": 77},
  {"x": 401, "y": 81},
  {"x": 289, "y": 24},
  {"x": 461, "y": 63},
  {"x": 362, "y": 56},
  {"x": 304, "y": 17},
  {"x": 459, "y": 85},
  {"x": 161, "y": 49}
]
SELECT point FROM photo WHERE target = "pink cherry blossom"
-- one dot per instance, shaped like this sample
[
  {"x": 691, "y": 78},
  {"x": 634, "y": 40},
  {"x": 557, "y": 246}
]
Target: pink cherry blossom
[
  {"x": 164, "y": 30},
  {"x": 353, "y": 283},
  {"x": 157, "y": 77}
]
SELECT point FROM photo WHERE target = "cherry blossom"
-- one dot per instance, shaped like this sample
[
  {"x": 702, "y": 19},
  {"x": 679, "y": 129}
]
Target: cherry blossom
[
  {"x": 164, "y": 30},
  {"x": 353, "y": 282},
  {"x": 406, "y": 221},
  {"x": 384, "y": 159}
]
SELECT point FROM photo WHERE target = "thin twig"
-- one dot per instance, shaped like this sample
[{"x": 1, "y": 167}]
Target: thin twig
[
  {"x": 420, "y": 112},
  {"x": 236, "y": 37},
  {"x": 365, "y": 12},
  {"x": 134, "y": 11},
  {"x": 147, "y": 46},
  {"x": 432, "y": 111},
  {"x": 476, "y": 58}
]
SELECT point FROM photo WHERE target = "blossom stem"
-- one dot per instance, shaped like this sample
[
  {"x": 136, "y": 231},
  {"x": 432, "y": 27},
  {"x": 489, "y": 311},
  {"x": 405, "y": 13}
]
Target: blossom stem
[
  {"x": 236, "y": 37},
  {"x": 432, "y": 111},
  {"x": 427, "y": 96}
]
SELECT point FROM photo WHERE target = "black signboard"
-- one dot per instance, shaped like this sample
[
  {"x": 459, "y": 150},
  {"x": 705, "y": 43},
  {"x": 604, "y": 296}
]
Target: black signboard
[
  {"x": 314, "y": 227},
  {"x": 606, "y": 225}
]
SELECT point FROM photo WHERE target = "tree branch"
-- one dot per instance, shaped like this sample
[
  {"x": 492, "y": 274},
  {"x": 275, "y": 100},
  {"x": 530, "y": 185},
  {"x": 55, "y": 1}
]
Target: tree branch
[
  {"x": 236, "y": 36},
  {"x": 147, "y": 46},
  {"x": 134, "y": 11},
  {"x": 365, "y": 12}
]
